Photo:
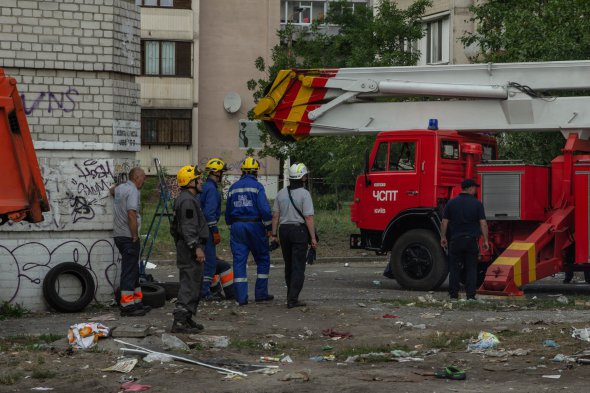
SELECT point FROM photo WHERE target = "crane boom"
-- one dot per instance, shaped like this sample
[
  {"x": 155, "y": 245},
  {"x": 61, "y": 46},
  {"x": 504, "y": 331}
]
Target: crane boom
[{"x": 483, "y": 97}]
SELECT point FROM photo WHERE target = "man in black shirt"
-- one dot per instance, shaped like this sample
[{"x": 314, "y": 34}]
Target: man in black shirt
[{"x": 467, "y": 220}]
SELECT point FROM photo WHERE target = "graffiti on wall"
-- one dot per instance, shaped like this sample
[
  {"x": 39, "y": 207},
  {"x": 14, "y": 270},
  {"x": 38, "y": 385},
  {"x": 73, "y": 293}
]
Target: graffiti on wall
[
  {"x": 78, "y": 193},
  {"x": 25, "y": 265},
  {"x": 50, "y": 101}
]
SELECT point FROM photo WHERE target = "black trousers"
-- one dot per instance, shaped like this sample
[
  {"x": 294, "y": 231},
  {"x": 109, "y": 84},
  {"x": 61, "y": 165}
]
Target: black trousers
[
  {"x": 294, "y": 241},
  {"x": 463, "y": 253},
  {"x": 190, "y": 277},
  {"x": 129, "y": 284}
]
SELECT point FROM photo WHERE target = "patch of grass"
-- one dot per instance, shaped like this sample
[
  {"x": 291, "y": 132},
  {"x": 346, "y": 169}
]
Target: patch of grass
[
  {"x": 28, "y": 343},
  {"x": 10, "y": 378},
  {"x": 450, "y": 341},
  {"x": 353, "y": 351},
  {"x": 9, "y": 310},
  {"x": 40, "y": 373},
  {"x": 247, "y": 343}
]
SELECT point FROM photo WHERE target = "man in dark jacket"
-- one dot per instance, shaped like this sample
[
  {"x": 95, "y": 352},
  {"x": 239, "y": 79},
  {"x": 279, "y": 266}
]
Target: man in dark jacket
[
  {"x": 248, "y": 213},
  {"x": 190, "y": 232},
  {"x": 467, "y": 220}
]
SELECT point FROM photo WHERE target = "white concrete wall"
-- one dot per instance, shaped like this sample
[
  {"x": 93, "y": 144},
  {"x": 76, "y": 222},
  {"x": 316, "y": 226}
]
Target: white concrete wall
[{"x": 75, "y": 63}]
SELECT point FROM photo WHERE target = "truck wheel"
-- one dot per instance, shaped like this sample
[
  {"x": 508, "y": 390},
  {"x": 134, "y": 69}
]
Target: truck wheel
[
  {"x": 418, "y": 261},
  {"x": 51, "y": 287}
]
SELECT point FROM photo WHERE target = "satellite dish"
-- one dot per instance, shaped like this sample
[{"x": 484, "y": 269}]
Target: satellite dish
[{"x": 232, "y": 102}]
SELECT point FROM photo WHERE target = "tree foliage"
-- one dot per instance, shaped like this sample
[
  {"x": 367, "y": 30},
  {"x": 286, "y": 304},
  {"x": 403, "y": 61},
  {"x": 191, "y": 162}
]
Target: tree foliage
[
  {"x": 364, "y": 39},
  {"x": 531, "y": 30}
]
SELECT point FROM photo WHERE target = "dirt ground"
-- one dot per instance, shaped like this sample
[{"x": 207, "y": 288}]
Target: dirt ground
[{"x": 351, "y": 299}]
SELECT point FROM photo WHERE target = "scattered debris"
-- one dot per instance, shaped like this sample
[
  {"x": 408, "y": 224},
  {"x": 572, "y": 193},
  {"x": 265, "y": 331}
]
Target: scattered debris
[
  {"x": 158, "y": 357},
  {"x": 134, "y": 387},
  {"x": 390, "y": 316},
  {"x": 333, "y": 333},
  {"x": 361, "y": 304},
  {"x": 581, "y": 334},
  {"x": 324, "y": 358},
  {"x": 269, "y": 359},
  {"x": 86, "y": 335},
  {"x": 124, "y": 365},
  {"x": 269, "y": 345},
  {"x": 485, "y": 340},
  {"x": 173, "y": 342},
  {"x": 504, "y": 353},
  {"x": 553, "y": 376},
  {"x": 213, "y": 341},
  {"x": 286, "y": 359},
  {"x": 562, "y": 299},
  {"x": 41, "y": 388},
  {"x": 377, "y": 282},
  {"x": 561, "y": 358},
  {"x": 298, "y": 376},
  {"x": 550, "y": 344},
  {"x": 410, "y": 324},
  {"x": 327, "y": 348}
]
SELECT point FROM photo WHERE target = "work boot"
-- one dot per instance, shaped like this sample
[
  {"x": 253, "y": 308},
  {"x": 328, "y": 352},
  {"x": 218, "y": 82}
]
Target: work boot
[
  {"x": 143, "y": 307},
  {"x": 195, "y": 325},
  {"x": 184, "y": 326},
  {"x": 268, "y": 298},
  {"x": 132, "y": 311}
]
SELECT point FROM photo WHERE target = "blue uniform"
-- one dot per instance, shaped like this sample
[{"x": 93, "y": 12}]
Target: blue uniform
[
  {"x": 211, "y": 206},
  {"x": 249, "y": 215}
]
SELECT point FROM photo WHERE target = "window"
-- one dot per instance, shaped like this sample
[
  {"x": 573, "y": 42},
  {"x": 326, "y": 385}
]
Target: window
[
  {"x": 489, "y": 153},
  {"x": 166, "y": 127},
  {"x": 403, "y": 156},
  {"x": 180, "y": 4},
  {"x": 449, "y": 150},
  {"x": 380, "y": 161},
  {"x": 437, "y": 41},
  {"x": 166, "y": 58}
]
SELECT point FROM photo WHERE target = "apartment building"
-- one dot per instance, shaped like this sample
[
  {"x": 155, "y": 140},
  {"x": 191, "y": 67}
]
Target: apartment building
[{"x": 197, "y": 57}]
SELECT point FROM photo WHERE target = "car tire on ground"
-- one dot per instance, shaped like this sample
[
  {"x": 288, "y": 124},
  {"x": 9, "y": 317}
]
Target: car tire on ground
[
  {"x": 171, "y": 289},
  {"x": 418, "y": 261},
  {"x": 51, "y": 287}
]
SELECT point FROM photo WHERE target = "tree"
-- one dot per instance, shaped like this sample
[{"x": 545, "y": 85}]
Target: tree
[
  {"x": 364, "y": 39},
  {"x": 531, "y": 30}
]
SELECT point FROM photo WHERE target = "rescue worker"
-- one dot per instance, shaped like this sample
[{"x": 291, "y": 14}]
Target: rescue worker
[
  {"x": 293, "y": 209},
  {"x": 190, "y": 232},
  {"x": 248, "y": 213},
  {"x": 126, "y": 227},
  {"x": 467, "y": 220},
  {"x": 210, "y": 199}
]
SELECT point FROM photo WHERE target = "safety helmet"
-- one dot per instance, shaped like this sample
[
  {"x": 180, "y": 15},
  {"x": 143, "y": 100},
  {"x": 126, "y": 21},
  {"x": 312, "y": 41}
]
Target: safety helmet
[
  {"x": 186, "y": 174},
  {"x": 215, "y": 165},
  {"x": 250, "y": 165},
  {"x": 297, "y": 171}
]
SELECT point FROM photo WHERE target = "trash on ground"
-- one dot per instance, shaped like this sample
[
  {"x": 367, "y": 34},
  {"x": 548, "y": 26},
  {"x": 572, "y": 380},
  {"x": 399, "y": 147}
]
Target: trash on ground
[
  {"x": 502, "y": 353},
  {"x": 333, "y": 333},
  {"x": 427, "y": 299},
  {"x": 390, "y": 316},
  {"x": 560, "y": 358},
  {"x": 550, "y": 344},
  {"x": 124, "y": 365},
  {"x": 323, "y": 358},
  {"x": 173, "y": 342},
  {"x": 269, "y": 345},
  {"x": 158, "y": 357},
  {"x": 86, "y": 335},
  {"x": 275, "y": 335},
  {"x": 396, "y": 355},
  {"x": 552, "y": 376},
  {"x": 361, "y": 304},
  {"x": 485, "y": 340},
  {"x": 298, "y": 376},
  {"x": 150, "y": 265},
  {"x": 327, "y": 348},
  {"x": 269, "y": 359},
  {"x": 410, "y": 324},
  {"x": 450, "y": 372},
  {"x": 286, "y": 359},
  {"x": 377, "y": 282},
  {"x": 562, "y": 299},
  {"x": 267, "y": 371},
  {"x": 430, "y": 315},
  {"x": 134, "y": 387},
  {"x": 582, "y": 361},
  {"x": 41, "y": 388},
  {"x": 212, "y": 341},
  {"x": 232, "y": 377},
  {"x": 581, "y": 334}
]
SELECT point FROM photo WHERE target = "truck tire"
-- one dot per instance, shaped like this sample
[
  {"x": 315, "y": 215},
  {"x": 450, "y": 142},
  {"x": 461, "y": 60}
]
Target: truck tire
[
  {"x": 171, "y": 289},
  {"x": 51, "y": 290},
  {"x": 417, "y": 261}
]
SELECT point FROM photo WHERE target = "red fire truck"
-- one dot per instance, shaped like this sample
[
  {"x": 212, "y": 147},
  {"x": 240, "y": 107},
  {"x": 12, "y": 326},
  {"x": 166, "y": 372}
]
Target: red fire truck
[
  {"x": 22, "y": 192},
  {"x": 538, "y": 215}
]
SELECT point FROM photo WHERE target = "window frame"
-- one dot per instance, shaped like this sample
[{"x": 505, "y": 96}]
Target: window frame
[
  {"x": 182, "y": 59},
  {"x": 402, "y": 142},
  {"x": 153, "y": 116},
  {"x": 176, "y": 4},
  {"x": 377, "y": 152},
  {"x": 456, "y": 149}
]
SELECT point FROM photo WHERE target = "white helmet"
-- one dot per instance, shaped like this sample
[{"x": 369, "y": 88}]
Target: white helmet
[{"x": 297, "y": 171}]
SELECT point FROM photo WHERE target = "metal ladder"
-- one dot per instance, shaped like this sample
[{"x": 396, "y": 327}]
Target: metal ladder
[{"x": 164, "y": 208}]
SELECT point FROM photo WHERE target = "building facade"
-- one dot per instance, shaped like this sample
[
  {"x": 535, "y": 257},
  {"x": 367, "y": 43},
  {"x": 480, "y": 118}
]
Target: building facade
[
  {"x": 197, "y": 57},
  {"x": 75, "y": 64}
]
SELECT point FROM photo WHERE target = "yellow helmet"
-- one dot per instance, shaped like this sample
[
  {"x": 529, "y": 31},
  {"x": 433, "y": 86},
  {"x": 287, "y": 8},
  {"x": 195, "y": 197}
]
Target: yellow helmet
[
  {"x": 215, "y": 165},
  {"x": 250, "y": 165},
  {"x": 186, "y": 174}
]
